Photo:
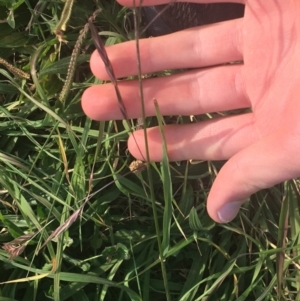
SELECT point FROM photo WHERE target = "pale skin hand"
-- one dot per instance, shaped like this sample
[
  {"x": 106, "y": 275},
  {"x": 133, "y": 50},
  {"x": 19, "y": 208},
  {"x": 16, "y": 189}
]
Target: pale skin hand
[{"x": 263, "y": 147}]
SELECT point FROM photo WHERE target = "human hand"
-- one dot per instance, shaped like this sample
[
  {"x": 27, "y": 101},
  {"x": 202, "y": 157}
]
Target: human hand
[{"x": 262, "y": 147}]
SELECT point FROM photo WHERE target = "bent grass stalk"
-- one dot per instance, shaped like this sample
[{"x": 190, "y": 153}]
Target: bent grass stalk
[
  {"x": 136, "y": 11},
  {"x": 64, "y": 18}
]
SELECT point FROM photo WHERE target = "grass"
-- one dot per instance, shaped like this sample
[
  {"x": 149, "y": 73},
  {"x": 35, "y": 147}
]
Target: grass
[{"x": 143, "y": 236}]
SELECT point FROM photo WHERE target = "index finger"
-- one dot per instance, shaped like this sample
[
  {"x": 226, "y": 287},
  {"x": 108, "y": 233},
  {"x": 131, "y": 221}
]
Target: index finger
[{"x": 191, "y": 48}]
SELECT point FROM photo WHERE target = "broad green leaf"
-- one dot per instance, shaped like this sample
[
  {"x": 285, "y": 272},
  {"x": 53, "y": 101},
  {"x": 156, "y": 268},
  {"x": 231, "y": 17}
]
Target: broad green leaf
[
  {"x": 62, "y": 65},
  {"x": 18, "y": 39},
  {"x": 194, "y": 221}
]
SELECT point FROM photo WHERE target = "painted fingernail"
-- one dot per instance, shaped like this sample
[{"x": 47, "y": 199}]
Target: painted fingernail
[{"x": 229, "y": 211}]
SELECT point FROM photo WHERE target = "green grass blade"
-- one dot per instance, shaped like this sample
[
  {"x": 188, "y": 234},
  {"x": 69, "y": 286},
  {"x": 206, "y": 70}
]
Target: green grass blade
[{"x": 167, "y": 186}]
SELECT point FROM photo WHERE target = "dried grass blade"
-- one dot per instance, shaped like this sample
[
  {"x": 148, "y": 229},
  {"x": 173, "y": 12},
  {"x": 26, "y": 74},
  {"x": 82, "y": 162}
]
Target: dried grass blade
[
  {"x": 109, "y": 69},
  {"x": 65, "y": 226},
  {"x": 72, "y": 218},
  {"x": 281, "y": 243},
  {"x": 14, "y": 250}
]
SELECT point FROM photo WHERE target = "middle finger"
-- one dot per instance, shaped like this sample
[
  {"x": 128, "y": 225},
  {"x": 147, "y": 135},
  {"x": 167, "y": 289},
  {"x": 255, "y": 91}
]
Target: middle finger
[{"x": 190, "y": 93}]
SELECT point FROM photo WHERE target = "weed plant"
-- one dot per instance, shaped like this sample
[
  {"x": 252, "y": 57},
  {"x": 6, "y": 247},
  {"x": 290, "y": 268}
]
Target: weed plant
[{"x": 140, "y": 236}]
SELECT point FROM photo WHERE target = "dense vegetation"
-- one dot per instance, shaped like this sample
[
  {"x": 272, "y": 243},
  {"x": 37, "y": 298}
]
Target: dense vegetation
[{"x": 140, "y": 236}]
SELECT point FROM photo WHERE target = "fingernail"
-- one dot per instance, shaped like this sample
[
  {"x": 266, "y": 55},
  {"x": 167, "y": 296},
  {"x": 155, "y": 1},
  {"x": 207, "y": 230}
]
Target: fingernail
[{"x": 229, "y": 211}]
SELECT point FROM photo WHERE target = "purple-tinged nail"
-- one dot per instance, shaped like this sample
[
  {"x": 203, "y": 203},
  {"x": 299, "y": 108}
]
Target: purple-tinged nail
[{"x": 229, "y": 211}]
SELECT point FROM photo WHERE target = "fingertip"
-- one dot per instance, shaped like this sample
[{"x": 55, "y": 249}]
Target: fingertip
[
  {"x": 125, "y": 2},
  {"x": 136, "y": 145},
  {"x": 228, "y": 193},
  {"x": 97, "y": 66},
  {"x": 129, "y": 3},
  {"x": 132, "y": 3},
  {"x": 87, "y": 104},
  {"x": 229, "y": 211},
  {"x": 96, "y": 103},
  {"x": 226, "y": 213}
]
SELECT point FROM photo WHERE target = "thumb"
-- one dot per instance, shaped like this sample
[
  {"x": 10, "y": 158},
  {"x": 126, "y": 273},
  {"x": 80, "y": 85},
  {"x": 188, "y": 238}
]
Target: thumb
[{"x": 259, "y": 166}]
